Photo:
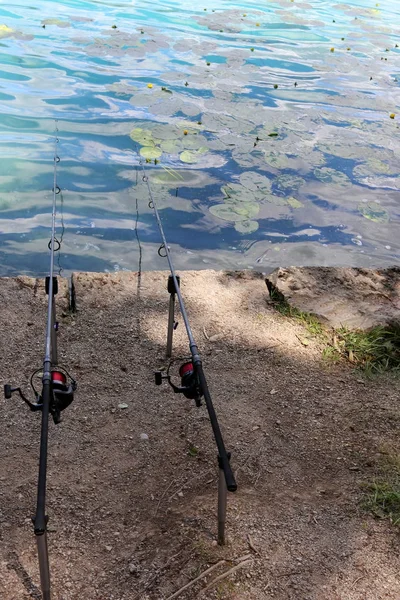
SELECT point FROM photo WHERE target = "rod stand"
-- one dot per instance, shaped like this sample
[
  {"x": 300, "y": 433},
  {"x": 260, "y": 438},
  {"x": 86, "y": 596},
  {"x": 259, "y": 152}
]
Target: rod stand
[
  {"x": 172, "y": 325},
  {"x": 222, "y": 502},
  {"x": 44, "y": 568}
]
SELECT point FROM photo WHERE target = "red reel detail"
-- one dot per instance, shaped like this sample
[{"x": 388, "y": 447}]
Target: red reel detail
[
  {"x": 58, "y": 377},
  {"x": 185, "y": 369}
]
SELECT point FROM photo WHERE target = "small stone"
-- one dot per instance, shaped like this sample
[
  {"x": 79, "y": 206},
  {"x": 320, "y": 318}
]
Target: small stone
[
  {"x": 108, "y": 548},
  {"x": 272, "y": 392},
  {"x": 214, "y": 543},
  {"x": 123, "y": 405},
  {"x": 134, "y": 569},
  {"x": 180, "y": 494},
  {"x": 144, "y": 436}
]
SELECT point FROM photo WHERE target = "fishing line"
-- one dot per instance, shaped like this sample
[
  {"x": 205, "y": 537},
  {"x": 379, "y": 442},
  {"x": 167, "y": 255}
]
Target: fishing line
[
  {"x": 194, "y": 383},
  {"x": 139, "y": 279},
  {"x": 60, "y": 268}
]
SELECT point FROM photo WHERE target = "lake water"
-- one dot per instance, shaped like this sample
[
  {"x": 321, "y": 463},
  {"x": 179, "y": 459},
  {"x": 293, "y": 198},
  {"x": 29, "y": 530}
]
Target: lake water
[{"x": 270, "y": 137}]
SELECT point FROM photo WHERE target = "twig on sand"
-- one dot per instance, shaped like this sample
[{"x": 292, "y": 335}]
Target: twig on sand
[
  {"x": 224, "y": 575},
  {"x": 163, "y": 495},
  {"x": 353, "y": 585},
  {"x": 152, "y": 580},
  {"x": 185, "y": 587},
  {"x": 205, "y": 333},
  {"x": 251, "y": 544}
]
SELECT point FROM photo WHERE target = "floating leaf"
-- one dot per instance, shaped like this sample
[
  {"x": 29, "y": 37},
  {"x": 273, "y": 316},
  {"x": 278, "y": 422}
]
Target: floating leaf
[
  {"x": 191, "y": 157},
  {"x": 289, "y": 182},
  {"x": 195, "y": 142},
  {"x": 277, "y": 200},
  {"x": 5, "y": 31},
  {"x": 255, "y": 182},
  {"x": 374, "y": 212},
  {"x": 172, "y": 146},
  {"x": 58, "y": 22},
  {"x": 142, "y": 136},
  {"x": 294, "y": 203},
  {"x": 246, "y": 226},
  {"x": 189, "y": 126},
  {"x": 280, "y": 161},
  {"x": 372, "y": 167},
  {"x": 331, "y": 176},
  {"x": 232, "y": 212},
  {"x": 150, "y": 152}
]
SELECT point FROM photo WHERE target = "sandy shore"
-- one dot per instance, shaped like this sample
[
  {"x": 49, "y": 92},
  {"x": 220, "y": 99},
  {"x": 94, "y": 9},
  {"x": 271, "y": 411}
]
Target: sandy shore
[{"x": 133, "y": 518}]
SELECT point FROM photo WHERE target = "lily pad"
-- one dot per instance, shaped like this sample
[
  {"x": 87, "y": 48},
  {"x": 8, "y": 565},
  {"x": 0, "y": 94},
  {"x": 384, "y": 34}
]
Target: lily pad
[
  {"x": 172, "y": 146},
  {"x": 150, "y": 152},
  {"x": 143, "y": 137},
  {"x": 371, "y": 167},
  {"x": 255, "y": 182},
  {"x": 327, "y": 175},
  {"x": 191, "y": 157},
  {"x": 374, "y": 212},
  {"x": 5, "y": 31},
  {"x": 58, "y": 22},
  {"x": 246, "y": 226},
  {"x": 288, "y": 182},
  {"x": 277, "y": 200},
  {"x": 294, "y": 203},
  {"x": 232, "y": 212},
  {"x": 280, "y": 161}
]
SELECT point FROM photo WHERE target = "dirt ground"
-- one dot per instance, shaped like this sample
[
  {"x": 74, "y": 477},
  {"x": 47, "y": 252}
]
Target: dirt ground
[{"x": 133, "y": 518}]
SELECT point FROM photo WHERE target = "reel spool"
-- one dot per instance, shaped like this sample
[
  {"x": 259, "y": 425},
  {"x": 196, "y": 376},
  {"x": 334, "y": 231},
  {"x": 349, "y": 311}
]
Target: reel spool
[
  {"x": 63, "y": 387},
  {"x": 190, "y": 385},
  {"x": 63, "y": 394}
]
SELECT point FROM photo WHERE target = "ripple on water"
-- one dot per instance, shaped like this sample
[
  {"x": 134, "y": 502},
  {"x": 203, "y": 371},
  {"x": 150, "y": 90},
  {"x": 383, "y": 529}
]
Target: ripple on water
[{"x": 262, "y": 129}]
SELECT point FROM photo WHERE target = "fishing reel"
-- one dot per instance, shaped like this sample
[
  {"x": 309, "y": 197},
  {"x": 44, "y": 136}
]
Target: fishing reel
[
  {"x": 63, "y": 387},
  {"x": 190, "y": 385}
]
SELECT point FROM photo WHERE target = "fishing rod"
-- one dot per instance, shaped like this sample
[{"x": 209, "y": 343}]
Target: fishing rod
[
  {"x": 193, "y": 380},
  {"x": 57, "y": 393}
]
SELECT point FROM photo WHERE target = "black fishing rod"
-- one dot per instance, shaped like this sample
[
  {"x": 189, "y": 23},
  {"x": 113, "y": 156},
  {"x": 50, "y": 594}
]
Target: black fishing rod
[
  {"x": 194, "y": 384},
  {"x": 56, "y": 394}
]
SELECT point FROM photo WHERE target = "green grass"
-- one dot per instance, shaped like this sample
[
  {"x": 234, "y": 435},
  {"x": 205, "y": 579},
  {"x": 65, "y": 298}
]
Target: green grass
[
  {"x": 373, "y": 352},
  {"x": 310, "y": 321},
  {"x": 383, "y": 494}
]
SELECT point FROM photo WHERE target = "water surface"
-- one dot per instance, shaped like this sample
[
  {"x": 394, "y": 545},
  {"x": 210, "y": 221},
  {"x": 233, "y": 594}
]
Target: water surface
[{"x": 266, "y": 134}]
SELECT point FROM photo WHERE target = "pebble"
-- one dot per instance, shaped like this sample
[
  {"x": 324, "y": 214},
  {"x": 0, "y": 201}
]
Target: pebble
[
  {"x": 133, "y": 569},
  {"x": 144, "y": 436},
  {"x": 123, "y": 405},
  {"x": 272, "y": 392},
  {"x": 108, "y": 548}
]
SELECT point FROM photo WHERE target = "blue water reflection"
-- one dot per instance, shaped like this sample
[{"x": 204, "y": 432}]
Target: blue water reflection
[{"x": 275, "y": 132}]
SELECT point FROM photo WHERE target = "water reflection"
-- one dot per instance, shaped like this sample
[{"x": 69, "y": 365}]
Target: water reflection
[{"x": 271, "y": 136}]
